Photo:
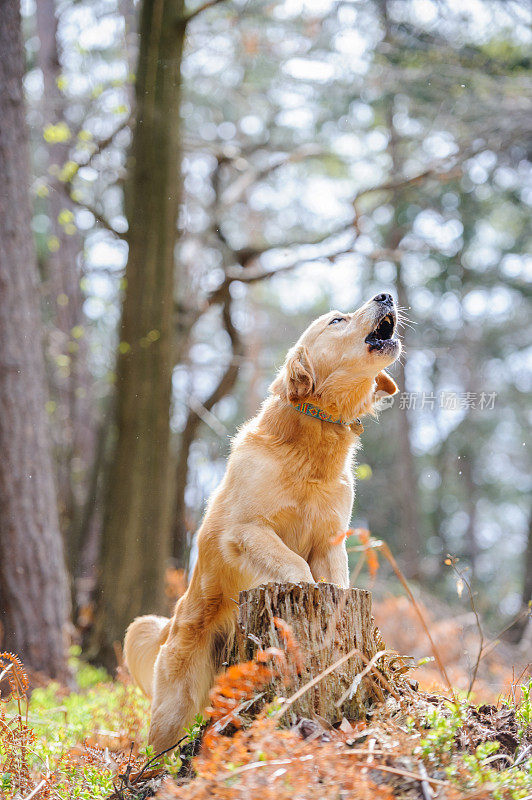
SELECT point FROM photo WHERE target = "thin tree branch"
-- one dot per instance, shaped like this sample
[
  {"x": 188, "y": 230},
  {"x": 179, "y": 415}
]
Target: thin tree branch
[
  {"x": 64, "y": 188},
  {"x": 103, "y": 144},
  {"x": 198, "y": 413},
  {"x": 248, "y": 254},
  {"x": 461, "y": 576},
  {"x": 199, "y": 10},
  {"x": 245, "y": 255},
  {"x": 252, "y": 275},
  {"x": 235, "y": 190},
  {"x": 228, "y": 379},
  {"x": 103, "y": 221}
]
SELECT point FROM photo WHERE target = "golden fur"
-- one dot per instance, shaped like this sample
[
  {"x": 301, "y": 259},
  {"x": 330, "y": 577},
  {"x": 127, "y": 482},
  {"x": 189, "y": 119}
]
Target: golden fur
[{"x": 286, "y": 495}]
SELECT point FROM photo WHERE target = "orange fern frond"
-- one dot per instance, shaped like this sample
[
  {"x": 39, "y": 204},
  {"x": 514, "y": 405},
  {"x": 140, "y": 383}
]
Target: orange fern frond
[
  {"x": 290, "y": 642},
  {"x": 16, "y": 676}
]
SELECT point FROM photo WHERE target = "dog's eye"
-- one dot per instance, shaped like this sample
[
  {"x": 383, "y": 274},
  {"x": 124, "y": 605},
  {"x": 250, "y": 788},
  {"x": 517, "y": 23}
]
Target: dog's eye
[{"x": 337, "y": 319}]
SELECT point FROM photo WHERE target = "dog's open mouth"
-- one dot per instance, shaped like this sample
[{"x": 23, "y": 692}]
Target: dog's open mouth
[{"x": 382, "y": 333}]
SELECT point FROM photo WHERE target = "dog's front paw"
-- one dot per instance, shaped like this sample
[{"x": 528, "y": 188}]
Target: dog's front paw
[{"x": 298, "y": 576}]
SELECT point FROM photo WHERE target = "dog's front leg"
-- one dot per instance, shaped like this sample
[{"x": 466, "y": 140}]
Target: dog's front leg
[
  {"x": 262, "y": 557},
  {"x": 331, "y": 564}
]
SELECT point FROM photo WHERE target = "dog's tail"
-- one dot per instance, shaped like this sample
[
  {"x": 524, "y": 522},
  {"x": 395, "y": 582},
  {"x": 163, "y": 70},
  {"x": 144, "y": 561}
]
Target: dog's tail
[{"x": 143, "y": 639}]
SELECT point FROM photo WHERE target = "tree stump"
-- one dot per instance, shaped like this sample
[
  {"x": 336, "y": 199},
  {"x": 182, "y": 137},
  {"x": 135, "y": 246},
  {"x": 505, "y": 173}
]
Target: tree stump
[{"x": 327, "y": 623}]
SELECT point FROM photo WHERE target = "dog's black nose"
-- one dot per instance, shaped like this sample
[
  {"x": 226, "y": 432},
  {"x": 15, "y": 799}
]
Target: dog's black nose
[{"x": 384, "y": 298}]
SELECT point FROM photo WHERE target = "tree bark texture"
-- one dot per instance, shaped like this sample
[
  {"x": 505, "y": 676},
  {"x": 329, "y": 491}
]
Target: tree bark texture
[
  {"x": 138, "y": 518},
  {"x": 522, "y": 630},
  {"x": 327, "y": 622},
  {"x": 406, "y": 469},
  {"x": 406, "y": 480},
  {"x": 73, "y": 422},
  {"x": 527, "y": 578},
  {"x": 34, "y": 604}
]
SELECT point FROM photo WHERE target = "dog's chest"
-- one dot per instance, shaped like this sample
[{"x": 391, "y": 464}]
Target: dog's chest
[{"x": 316, "y": 513}]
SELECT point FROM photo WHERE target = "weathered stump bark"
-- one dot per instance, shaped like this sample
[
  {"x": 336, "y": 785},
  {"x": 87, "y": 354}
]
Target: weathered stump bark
[{"x": 327, "y": 623}]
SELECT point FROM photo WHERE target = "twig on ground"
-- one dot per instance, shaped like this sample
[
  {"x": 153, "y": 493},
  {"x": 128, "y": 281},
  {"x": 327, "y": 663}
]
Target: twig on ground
[
  {"x": 406, "y": 773},
  {"x": 428, "y": 794},
  {"x": 162, "y": 753},
  {"x": 283, "y": 762},
  {"x": 371, "y": 756},
  {"x": 35, "y": 791},
  {"x": 222, "y": 723},
  {"x": 521, "y": 757},
  {"x": 452, "y": 561},
  {"x": 357, "y": 679},
  {"x": 301, "y": 691},
  {"x": 127, "y": 773}
]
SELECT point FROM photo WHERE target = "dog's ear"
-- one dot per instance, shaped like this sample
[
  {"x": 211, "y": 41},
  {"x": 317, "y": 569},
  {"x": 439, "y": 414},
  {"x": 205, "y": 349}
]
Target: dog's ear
[
  {"x": 385, "y": 385},
  {"x": 300, "y": 377},
  {"x": 296, "y": 380}
]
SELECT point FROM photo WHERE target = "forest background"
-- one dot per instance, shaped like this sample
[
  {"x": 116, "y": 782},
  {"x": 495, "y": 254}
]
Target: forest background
[{"x": 183, "y": 190}]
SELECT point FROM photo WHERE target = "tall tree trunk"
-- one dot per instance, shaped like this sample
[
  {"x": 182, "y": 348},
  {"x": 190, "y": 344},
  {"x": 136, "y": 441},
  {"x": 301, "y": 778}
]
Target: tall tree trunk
[
  {"x": 407, "y": 480},
  {"x": 33, "y": 585},
  {"x": 407, "y": 483},
  {"x": 73, "y": 422},
  {"x": 524, "y": 627},
  {"x": 138, "y": 518},
  {"x": 470, "y": 538},
  {"x": 521, "y": 630},
  {"x": 527, "y": 581}
]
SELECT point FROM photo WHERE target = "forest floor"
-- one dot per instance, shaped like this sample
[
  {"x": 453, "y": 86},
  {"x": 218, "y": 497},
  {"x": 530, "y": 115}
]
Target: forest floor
[{"x": 428, "y": 742}]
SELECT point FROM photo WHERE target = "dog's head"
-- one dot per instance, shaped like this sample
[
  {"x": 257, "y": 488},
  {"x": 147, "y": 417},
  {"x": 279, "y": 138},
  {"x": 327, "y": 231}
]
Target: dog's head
[{"x": 338, "y": 363}]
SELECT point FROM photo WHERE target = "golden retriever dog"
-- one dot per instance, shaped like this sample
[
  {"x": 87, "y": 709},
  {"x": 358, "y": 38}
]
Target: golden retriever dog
[{"x": 276, "y": 516}]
